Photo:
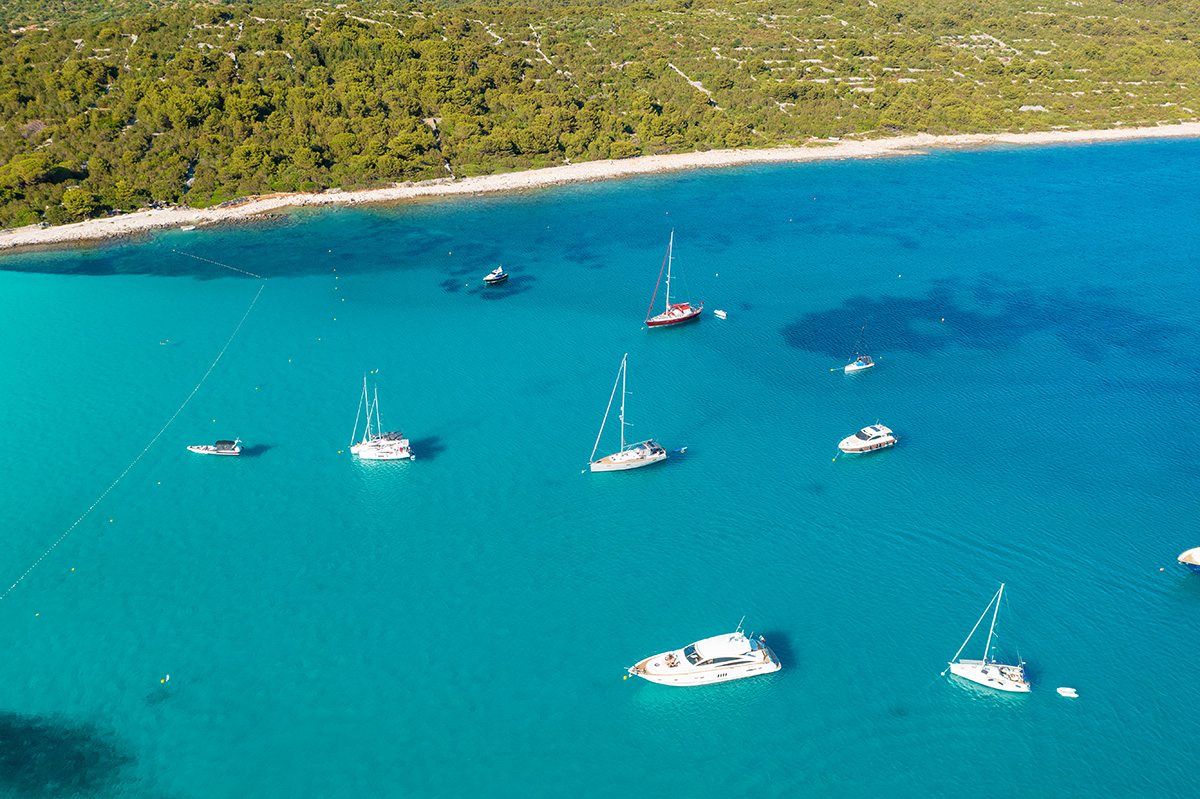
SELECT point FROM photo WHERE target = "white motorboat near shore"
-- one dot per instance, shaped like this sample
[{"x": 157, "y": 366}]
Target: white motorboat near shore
[
  {"x": 721, "y": 658},
  {"x": 868, "y": 439}
]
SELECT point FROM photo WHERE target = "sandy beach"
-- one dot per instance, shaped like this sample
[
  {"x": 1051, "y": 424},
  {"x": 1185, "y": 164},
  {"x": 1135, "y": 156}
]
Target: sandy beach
[{"x": 141, "y": 221}]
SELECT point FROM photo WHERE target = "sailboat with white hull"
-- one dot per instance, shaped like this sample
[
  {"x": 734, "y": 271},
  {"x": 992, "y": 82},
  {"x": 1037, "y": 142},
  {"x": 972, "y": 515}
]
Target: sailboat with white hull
[
  {"x": 861, "y": 359},
  {"x": 630, "y": 456},
  {"x": 988, "y": 672},
  {"x": 376, "y": 445},
  {"x": 673, "y": 313}
]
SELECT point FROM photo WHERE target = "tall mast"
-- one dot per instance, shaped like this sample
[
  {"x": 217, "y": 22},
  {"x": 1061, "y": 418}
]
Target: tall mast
[
  {"x": 378, "y": 425},
  {"x": 670, "y": 249},
  {"x": 988, "y": 647},
  {"x": 623, "y": 397}
]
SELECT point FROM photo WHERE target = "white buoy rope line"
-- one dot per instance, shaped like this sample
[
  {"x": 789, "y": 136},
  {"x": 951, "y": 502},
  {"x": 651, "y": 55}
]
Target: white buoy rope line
[{"x": 157, "y": 435}]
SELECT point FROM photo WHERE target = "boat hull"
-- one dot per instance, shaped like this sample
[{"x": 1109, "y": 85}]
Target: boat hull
[
  {"x": 997, "y": 676},
  {"x": 675, "y": 315},
  {"x": 207, "y": 450},
  {"x": 1191, "y": 559},
  {"x": 652, "y": 669},
  {"x": 607, "y": 464},
  {"x": 851, "y": 368},
  {"x": 495, "y": 281},
  {"x": 852, "y": 449}
]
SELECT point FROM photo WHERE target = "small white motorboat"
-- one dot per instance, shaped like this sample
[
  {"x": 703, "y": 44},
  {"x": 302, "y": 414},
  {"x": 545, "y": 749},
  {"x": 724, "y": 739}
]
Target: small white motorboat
[
  {"x": 1070, "y": 693},
  {"x": 496, "y": 276},
  {"x": 868, "y": 439},
  {"x": 720, "y": 314},
  {"x": 721, "y": 658},
  {"x": 223, "y": 447},
  {"x": 1191, "y": 559}
]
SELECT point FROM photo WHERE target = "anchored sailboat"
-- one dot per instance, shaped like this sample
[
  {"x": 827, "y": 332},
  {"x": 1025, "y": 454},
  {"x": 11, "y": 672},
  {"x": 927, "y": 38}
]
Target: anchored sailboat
[
  {"x": 987, "y": 672},
  {"x": 630, "y": 456},
  {"x": 377, "y": 445},
  {"x": 861, "y": 359},
  {"x": 673, "y": 313}
]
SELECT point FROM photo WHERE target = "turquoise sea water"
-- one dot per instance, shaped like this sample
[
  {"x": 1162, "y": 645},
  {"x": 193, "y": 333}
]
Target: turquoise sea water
[{"x": 460, "y": 625}]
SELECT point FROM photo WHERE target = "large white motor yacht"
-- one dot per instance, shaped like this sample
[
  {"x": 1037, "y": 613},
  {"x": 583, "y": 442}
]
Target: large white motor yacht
[
  {"x": 718, "y": 659},
  {"x": 869, "y": 438}
]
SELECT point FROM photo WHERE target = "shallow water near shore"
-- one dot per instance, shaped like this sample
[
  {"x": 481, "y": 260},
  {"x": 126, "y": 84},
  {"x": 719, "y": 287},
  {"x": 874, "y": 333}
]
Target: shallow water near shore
[{"x": 461, "y": 624}]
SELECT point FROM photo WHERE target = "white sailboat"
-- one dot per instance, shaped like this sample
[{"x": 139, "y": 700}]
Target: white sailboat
[
  {"x": 377, "y": 445},
  {"x": 630, "y": 456},
  {"x": 861, "y": 359},
  {"x": 988, "y": 672}
]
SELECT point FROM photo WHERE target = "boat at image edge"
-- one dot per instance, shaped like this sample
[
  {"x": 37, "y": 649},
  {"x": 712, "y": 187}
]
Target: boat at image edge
[
  {"x": 868, "y": 439},
  {"x": 223, "y": 447},
  {"x": 673, "y": 313},
  {"x": 1191, "y": 559},
  {"x": 988, "y": 672},
  {"x": 861, "y": 360},
  {"x": 630, "y": 456},
  {"x": 722, "y": 658},
  {"x": 377, "y": 445}
]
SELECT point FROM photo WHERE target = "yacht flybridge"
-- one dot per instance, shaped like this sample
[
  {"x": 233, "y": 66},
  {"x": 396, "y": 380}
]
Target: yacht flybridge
[{"x": 718, "y": 659}]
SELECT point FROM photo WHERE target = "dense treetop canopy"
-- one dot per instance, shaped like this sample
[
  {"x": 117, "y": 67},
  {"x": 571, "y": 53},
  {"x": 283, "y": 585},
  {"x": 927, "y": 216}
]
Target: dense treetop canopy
[{"x": 110, "y": 106}]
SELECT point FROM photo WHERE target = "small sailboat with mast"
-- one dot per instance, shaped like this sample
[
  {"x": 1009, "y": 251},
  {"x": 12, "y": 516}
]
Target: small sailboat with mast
[
  {"x": 861, "y": 359},
  {"x": 988, "y": 672},
  {"x": 630, "y": 456},
  {"x": 673, "y": 313}
]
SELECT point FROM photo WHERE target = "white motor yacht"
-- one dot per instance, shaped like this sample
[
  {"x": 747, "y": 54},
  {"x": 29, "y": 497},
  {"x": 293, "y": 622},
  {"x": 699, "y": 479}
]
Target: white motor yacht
[
  {"x": 870, "y": 438},
  {"x": 718, "y": 659},
  {"x": 224, "y": 447}
]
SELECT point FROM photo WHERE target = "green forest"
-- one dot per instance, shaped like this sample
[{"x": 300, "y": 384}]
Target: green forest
[{"x": 107, "y": 107}]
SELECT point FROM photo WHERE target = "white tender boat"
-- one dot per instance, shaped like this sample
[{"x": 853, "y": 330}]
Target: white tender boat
[
  {"x": 224, "y": 447},
  {"x": 868, "y": 439},
  {"x": 718, "y": 659},
  {"x": 377, "y": 445},
  {"x": 630, "y": 456},
  {"x": 497, "y": 275},
  {"x": 988, "y": 672},
  {"x": 861, "y": 359}
]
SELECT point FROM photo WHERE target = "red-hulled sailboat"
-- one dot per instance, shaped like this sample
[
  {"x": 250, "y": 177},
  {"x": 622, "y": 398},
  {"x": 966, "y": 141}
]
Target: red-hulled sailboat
[{"x": 674, "y": 313}]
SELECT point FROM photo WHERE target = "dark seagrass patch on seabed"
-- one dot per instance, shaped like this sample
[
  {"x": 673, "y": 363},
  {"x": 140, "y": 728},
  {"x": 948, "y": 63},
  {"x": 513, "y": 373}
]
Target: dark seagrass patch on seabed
[
  {"x": 48, "y": 756},
  {"x": 987, "y": 316}
]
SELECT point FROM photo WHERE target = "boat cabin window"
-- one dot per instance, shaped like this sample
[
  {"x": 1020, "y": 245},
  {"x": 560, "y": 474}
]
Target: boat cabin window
[
  {"x": 863, "y": 434},
  {"x": 691, "y": 654}
]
